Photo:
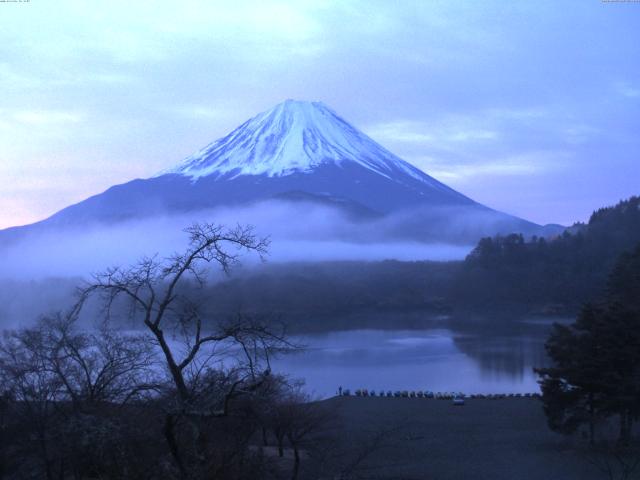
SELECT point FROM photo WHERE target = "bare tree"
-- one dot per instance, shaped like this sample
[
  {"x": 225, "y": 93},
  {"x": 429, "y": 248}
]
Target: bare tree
[
  {"x": 297, "y": 421},
  {"x": 152, "y": 287},
  {"x": 307, "y": 420},
  {"x": 60, "y": 378},
  {"x": 33, "y": 389},
  {"x": 96, "y": 366},
  {"x": 210, "y": 364},
  {"x": 200, "y": 386}
]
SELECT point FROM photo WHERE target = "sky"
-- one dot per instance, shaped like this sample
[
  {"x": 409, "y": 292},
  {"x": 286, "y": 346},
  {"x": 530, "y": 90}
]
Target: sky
[{"x": 530, "y": 107}]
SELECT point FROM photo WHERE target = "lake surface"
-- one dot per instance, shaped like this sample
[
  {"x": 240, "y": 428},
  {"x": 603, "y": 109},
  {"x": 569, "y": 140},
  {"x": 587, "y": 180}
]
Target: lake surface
[{"x": 432, "y": 359}]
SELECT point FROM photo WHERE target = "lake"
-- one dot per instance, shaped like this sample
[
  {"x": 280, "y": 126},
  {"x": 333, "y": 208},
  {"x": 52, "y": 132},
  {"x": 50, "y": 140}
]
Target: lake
[{"x": 440, "y": 360}]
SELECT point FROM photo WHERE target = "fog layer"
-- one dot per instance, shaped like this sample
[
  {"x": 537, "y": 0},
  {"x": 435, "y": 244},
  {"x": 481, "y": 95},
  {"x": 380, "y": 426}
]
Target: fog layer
[{"x": 299, "y": 231}]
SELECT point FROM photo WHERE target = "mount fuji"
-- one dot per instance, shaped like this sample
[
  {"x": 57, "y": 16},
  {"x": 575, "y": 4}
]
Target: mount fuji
[
  {"x": 295, "y": 152},
  {"x": 306, "y": 146}
]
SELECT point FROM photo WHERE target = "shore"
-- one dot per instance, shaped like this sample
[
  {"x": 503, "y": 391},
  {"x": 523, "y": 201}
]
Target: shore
[{"x": 484, "y": 439}]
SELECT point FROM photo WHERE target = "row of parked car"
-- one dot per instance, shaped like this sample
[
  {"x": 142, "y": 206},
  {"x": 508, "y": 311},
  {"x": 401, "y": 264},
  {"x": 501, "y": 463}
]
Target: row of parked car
[{"x": 363, "y": 392}]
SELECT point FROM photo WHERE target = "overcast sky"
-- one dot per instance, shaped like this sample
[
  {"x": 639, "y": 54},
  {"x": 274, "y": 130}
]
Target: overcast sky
[{"x": 530, "y": 107}]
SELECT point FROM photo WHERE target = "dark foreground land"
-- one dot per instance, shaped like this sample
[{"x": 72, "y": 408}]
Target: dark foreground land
[{"x": 484, "y": 439}]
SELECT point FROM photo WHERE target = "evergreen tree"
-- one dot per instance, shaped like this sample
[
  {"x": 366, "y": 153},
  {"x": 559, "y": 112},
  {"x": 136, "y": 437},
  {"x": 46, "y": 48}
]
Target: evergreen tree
[
  {"x": 572, "y": 388},
  {"x": 596, "y": 360}
]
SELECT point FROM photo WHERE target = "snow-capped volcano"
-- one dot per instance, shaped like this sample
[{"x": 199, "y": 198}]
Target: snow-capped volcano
[
  {"x": 306, "y": 147},
  {"x": 294, "y": 136},
  {"x": 297, "y": 152}
]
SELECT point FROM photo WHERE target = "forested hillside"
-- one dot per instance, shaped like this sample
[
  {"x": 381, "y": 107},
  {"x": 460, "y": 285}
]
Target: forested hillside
[{"x": 555, "y": 275}]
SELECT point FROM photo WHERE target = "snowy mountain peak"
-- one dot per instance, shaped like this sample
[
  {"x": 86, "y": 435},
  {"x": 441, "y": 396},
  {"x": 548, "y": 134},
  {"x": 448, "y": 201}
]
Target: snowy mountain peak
[{"x": 293, "y": 137}]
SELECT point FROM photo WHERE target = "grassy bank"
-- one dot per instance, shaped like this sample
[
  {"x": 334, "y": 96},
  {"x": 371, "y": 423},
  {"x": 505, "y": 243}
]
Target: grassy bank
[{"x": 484, "y": 439}]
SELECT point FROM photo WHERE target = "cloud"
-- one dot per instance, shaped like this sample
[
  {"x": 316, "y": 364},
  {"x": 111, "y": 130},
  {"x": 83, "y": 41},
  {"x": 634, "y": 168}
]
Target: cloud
[
  {"x": 522, "y": 164},
  {"x": 488, "y": 143},
  {"x": 436, "y": 134},
  {"x": 401, "y": 131},
  {"x": 200, "y": 112},
  {"x": 46, "y": 117},
  {"x": 627, "y": 90},
  {"x": 450, "y": 131},
  {"x": 129, "y": 32},
  {"x": 579, "y": 134},
  {"x": 11, "y": 77}
]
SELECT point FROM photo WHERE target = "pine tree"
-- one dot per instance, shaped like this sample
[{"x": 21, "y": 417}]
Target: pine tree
[
  {"x": 572, "y": 388},
  {"x": 596, "y": 360}
]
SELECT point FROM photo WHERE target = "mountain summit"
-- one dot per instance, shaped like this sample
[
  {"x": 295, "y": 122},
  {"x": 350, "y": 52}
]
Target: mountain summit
[
  {"x": 294, "y": 136},
  {"x": 298, "y": 152},
  {"x": 306, "y": 146}
]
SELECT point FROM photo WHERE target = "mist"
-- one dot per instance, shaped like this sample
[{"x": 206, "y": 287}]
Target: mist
[
  {"x": 39, "y": 271},
  {"x": 298, "y": 231}
]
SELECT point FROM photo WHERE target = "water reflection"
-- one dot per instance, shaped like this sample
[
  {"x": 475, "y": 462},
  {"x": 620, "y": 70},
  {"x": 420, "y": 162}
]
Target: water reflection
[
  {"x": 432, "y": 359},
  {"x": 504, "y": 356}
]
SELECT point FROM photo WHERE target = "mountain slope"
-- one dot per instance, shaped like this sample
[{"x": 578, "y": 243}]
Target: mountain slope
[
  {"x": 294, "y": 147},
  {"x": 293, "y": 137},
  {"x": 306, "y": 146}
]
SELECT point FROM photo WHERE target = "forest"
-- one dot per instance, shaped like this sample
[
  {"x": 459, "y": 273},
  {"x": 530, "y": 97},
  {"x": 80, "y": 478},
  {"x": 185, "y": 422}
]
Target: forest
[{"x": 502, "y": 276}]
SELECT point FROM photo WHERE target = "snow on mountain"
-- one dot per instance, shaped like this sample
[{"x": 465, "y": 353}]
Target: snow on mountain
[
  {"x": 296, "y": 153},
  {"x": 293, "y": 137}
]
